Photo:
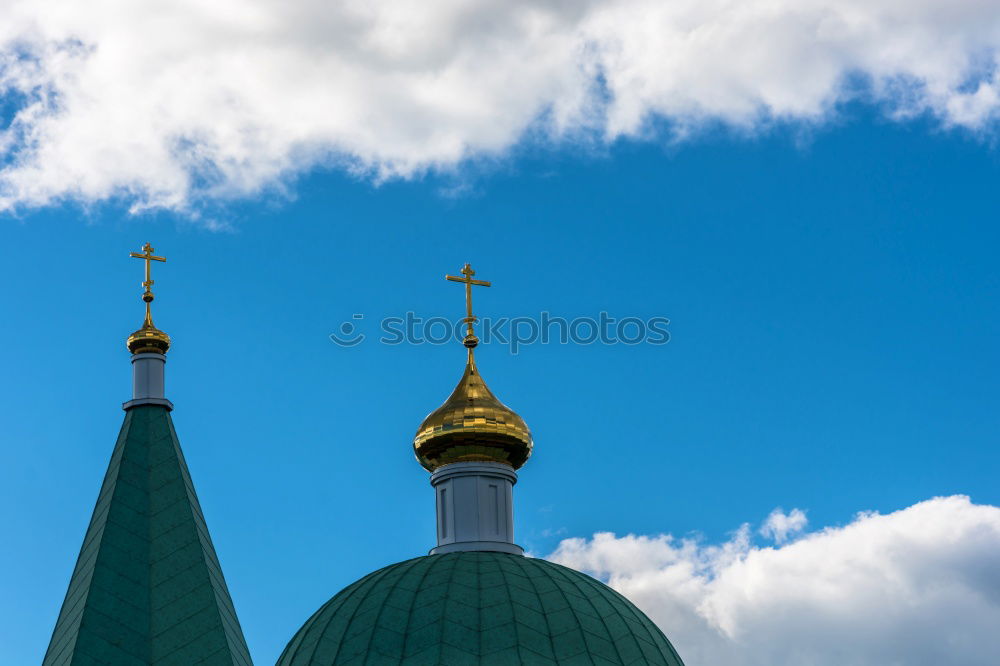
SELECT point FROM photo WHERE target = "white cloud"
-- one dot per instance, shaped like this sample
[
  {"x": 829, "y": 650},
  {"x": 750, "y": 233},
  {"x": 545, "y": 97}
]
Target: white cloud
[
  {"x": 166, "y": 104},
  {"x": 918, "y": 587},
  {"x": 780, "y": 525}
]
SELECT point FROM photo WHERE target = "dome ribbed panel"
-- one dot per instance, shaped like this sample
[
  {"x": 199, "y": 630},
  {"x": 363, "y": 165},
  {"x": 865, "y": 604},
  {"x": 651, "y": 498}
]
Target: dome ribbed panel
[{"x": 478, "y": 608}]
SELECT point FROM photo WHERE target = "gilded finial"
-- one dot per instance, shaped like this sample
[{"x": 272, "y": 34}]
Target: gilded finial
[
  {"x": 472, "y": 425},
  {"x": 148, "y": 339},
  {"x": 470, "y": 340}
]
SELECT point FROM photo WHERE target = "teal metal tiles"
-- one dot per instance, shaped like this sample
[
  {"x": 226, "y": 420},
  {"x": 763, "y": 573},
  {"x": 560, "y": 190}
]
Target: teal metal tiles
[
  {"x": 147, "y": 589},
  {"x": 478, "y": 608}
]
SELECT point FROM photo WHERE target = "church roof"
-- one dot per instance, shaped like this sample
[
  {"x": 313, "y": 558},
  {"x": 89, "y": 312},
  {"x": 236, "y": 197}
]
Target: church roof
[
  {"x": 478, "y": 608},
  {"x": 147, "y": 588}
]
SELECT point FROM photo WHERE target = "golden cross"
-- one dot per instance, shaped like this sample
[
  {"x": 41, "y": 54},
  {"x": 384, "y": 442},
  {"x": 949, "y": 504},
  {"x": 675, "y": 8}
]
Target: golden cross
[
  {"x": 147, "y": 254},
  {"x": 470, "y": 337}
]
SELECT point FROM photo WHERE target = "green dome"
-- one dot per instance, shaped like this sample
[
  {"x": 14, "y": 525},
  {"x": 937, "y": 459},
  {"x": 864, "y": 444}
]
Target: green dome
[{"x": 478, "y": 608}]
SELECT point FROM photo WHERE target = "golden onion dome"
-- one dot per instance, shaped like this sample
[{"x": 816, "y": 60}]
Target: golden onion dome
[
  {"x": 148, "y": 338},
  {"x": 472, "y": 426}
]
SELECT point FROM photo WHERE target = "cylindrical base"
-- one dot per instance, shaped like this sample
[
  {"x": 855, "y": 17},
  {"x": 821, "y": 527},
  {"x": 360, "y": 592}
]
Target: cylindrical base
[
  {"x": 475, "y": 507},
  {"x": 148, "y": 380}
]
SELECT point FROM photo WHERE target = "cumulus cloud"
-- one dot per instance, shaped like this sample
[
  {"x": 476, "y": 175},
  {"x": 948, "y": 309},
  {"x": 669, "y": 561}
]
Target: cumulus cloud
[
  {"x": 780, "y": 525},
  {"x": 918, "y": 587},
  {"x": 168, "y": 104}
]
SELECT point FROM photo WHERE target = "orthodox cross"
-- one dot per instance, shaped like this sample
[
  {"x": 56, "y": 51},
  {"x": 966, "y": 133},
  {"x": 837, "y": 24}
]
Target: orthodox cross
[
  {"x": 147, "y": 254},
  {"x": 470, "y": 337}
]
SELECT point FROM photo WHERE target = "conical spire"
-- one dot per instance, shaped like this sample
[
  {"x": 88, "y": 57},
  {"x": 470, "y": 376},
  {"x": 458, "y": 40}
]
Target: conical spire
[{"x": 147, "y": 589}]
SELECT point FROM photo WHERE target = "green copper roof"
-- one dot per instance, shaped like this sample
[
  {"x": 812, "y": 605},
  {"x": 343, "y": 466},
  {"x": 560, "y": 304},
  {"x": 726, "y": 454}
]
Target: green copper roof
[
  {"x": 478, "y": 608},
  {"x": 147, "y": 588}
]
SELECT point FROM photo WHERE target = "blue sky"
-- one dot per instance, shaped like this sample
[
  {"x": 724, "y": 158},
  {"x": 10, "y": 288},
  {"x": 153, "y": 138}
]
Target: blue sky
[
  {"x": 806, "y": 190},
  {"x": 833, "y": 314}
]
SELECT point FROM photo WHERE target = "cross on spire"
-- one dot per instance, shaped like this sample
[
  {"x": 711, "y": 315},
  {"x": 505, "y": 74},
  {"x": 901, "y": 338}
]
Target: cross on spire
[
  {"x": 147, "y": 296},
  {"x": 147, "y": 254},
  {"x": 470, "y": 335}
]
